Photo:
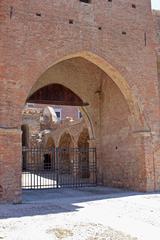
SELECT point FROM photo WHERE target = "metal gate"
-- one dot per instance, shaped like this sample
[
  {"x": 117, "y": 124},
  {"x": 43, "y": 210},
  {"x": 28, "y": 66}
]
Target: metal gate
[{"x": 58, "y": 167}]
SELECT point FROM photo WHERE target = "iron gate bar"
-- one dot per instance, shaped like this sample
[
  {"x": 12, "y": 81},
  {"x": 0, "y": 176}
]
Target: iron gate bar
[{"x": 58, "y": 167}]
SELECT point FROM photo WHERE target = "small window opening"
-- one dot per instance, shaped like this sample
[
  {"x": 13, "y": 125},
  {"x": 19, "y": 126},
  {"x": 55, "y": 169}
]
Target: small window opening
[
  {"x": 85, "y": 1},
  {"x": 100, "y": 28},
  {"x": 124, "y": 33},
  {"x": 58, "y": 114},
  {"x": 145, "y": 39},
  {"x": 109, "y": 0},
  {"x": 133, "y": 5},
  {"x": 11, "y": 12},
  {"x": 38, "y": 14},
  {"x": 79, "y": 115},
  {"x": 70, "y": 21}
]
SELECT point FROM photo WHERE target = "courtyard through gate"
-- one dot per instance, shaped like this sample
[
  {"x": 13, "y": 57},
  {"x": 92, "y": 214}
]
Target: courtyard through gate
[{"x": 58, "y": 167}]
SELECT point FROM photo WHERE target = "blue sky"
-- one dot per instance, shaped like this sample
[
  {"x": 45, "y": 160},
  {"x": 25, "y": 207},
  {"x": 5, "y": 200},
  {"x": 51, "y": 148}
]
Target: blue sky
[{"x": 155, "y": 4}]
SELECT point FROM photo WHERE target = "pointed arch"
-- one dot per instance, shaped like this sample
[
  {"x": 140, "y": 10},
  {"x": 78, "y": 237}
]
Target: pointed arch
[
  {"x": 65, "y": 139},
  {"x": 102, "y": 63},
  {"x": 119, "y": 80}
]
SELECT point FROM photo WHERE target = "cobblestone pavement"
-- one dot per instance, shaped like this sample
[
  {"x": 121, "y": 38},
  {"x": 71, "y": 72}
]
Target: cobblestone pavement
[{"x": 95, "y": 213}]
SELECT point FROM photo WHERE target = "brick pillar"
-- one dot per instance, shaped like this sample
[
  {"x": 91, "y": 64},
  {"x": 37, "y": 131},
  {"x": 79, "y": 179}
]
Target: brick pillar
[
  {"x": 145, "y": 179},
  {"x": 156, "y": 162},
  {"x": 10, "y": 165}
]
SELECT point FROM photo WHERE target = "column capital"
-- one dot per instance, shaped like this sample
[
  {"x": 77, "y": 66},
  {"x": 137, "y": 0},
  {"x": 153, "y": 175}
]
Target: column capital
[{"x": 92, "y": 143}]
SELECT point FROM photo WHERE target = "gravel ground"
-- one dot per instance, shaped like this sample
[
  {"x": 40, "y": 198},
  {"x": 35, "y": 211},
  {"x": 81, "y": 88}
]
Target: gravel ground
[{"x": 96, "y": 213}]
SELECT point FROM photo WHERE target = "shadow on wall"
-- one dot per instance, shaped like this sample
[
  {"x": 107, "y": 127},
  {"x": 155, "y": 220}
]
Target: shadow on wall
[{"x": 44, "y": 202}]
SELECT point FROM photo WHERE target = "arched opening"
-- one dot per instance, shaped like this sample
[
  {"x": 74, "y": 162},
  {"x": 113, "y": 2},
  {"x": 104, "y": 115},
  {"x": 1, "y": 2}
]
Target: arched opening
[
  {"x": 110, "y": 113},
  {"x": 49, "y": 157},
  {"x": 83, "y": 158},
  {"x": 106, "y": 68},
  {"x": 65, "y": 154}
]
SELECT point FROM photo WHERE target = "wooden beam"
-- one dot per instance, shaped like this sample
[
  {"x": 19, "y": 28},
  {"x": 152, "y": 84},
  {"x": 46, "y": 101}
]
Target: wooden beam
[{"x": 56, "y": 94}]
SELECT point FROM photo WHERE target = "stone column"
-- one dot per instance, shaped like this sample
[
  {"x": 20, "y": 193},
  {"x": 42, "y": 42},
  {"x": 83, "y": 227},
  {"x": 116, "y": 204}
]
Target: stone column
[
  {"x": 92, "y": 161},
  {"x": 10, "y": 165},
  {"x": 75, "y": 160}
]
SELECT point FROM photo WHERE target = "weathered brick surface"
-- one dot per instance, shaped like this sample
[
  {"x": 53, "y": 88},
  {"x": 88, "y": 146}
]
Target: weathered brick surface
[
  {"x": 124, "y": 106},
  {"x": 156, "y": 18},
  {"x": 10, "y": 169}
]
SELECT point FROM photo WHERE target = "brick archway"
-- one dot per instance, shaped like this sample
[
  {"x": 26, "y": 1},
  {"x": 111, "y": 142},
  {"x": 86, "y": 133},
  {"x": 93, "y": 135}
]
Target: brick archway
[
  {"x": 140, "y": 121},
  {"x": 112, "y": 112},
  {"x": 95, "y": 78}
]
